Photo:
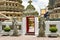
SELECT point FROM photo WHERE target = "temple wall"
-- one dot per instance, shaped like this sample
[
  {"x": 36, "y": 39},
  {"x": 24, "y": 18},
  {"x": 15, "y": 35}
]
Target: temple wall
[
  {"x": 23, "y": 25},
  {"x": 36, "y": 26},
  {"x": 48, "y": 23}
]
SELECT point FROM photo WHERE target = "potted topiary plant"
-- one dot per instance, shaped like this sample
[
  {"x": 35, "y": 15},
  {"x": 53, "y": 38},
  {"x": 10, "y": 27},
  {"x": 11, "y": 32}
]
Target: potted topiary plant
[
  {"x": 53, "y": 31},
  {"x": 6, "y": 30}
]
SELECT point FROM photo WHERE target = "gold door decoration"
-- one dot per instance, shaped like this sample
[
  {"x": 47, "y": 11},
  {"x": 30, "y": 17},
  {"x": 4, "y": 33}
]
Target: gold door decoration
[{"x": 31, "y": 22}]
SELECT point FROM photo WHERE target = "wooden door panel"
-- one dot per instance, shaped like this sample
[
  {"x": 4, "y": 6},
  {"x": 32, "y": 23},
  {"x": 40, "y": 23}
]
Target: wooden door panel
[{"x": 30, "y": 24}]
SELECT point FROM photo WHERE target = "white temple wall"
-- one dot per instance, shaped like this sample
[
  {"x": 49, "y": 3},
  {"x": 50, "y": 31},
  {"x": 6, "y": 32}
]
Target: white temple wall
[
  {"x": 23, "y": 25},
  {"x": 7, "y": 23},
  {"x": 48, "y": 23},
  {"x": 36, "y": 26}
]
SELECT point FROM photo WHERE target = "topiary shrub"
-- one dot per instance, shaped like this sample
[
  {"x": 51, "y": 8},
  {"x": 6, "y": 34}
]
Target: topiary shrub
[
  {"x": 53, "y": 29},
  {"x": 7, "y": 29}
]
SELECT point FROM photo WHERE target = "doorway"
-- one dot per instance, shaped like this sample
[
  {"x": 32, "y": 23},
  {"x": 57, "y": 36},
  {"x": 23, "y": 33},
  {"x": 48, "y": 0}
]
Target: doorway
[{"x": 30, "y": 25}]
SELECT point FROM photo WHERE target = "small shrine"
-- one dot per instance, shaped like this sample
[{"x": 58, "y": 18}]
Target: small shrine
[{"x": 30, "y": 20}]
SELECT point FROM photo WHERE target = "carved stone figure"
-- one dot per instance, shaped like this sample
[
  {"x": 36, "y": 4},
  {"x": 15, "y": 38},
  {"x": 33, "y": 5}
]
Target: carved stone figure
[
  {"x": 15, "y": 32},
  {"x": 41, "y": 27}
]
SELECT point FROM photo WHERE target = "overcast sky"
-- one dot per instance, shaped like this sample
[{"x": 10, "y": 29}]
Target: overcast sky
[{"x": 38, "y": 4}]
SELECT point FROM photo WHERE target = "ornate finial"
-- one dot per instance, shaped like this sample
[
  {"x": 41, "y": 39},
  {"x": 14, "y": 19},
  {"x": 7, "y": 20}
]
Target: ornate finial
[{"x": 30, "y": 2}]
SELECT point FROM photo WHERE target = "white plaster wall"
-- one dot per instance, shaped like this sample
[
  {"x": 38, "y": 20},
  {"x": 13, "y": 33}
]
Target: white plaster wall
[
  {"x": 36, "y": 26},
  {"x": 23, "y": 25},
  {"x": 48, "y": 23},
  {"x": 7, "y": 23},
  {"x": 10, "y": 23}
]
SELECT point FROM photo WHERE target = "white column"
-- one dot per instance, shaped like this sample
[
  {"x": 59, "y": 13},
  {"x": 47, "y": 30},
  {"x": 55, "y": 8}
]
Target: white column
[
  {"x": 36, "y": 26},
  {"x": 0, "y": 26},
  {"x": 23, "y": 25}
]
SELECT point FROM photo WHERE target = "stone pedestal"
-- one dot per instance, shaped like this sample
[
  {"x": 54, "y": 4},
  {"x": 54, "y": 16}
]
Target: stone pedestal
[{"x": 53, "y": 35}]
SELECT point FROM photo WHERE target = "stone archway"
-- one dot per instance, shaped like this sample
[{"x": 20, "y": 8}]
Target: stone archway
[{"x": 36, "y": 29}]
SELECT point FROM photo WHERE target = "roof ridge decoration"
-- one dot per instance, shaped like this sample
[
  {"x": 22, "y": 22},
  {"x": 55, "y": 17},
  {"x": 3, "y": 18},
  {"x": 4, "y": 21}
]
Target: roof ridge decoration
[{"x": 30, "y": 6}]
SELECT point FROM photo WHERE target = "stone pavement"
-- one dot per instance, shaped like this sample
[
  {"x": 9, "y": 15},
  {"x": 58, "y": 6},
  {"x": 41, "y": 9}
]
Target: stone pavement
[{"x": 26, "y": 37}]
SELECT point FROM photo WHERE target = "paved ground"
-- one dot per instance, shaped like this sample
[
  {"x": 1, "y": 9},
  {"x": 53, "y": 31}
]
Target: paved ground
[{"x": 26, "y": 38}]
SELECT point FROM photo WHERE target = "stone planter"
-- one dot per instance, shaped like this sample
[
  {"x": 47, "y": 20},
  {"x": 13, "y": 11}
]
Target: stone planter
[
  {"x": 53, "y": 35},
  {"x": 53, "y": 31},
  {"x": 6, "y": 33}
]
